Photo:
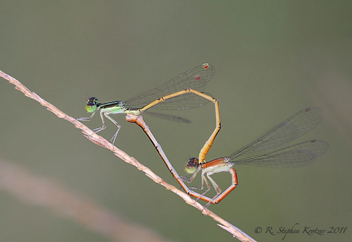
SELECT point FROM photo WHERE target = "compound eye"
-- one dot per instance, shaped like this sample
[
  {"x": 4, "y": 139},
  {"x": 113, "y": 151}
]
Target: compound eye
[{"x": 192, "y": 165}]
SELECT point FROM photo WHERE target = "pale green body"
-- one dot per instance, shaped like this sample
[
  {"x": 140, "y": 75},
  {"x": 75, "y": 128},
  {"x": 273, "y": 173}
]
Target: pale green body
[{"x": 114, "y": 107}]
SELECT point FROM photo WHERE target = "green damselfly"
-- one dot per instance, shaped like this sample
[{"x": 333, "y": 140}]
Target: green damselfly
[{"x": 180, "y": 93}]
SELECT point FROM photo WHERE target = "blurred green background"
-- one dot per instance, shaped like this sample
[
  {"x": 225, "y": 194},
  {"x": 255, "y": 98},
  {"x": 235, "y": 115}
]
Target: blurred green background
[{"x": 272, "y": 59}]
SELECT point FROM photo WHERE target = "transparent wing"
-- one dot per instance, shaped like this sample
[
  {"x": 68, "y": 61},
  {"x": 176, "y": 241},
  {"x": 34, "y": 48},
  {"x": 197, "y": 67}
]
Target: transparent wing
[
  {"x": 168, "y": 117},
  {"x": 294, "y": 155},
  {"x": 195, "y": 78},
  {"x": 290, "y": 129}
]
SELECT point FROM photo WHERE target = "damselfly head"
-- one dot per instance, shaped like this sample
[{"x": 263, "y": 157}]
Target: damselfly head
[
  {"x": 192, "y": 165},
  {"x": 91, "y": 105}
]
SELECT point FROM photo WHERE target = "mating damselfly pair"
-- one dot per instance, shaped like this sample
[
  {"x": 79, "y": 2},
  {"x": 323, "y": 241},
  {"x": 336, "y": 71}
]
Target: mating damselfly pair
[{"x": 185, "y": 92}]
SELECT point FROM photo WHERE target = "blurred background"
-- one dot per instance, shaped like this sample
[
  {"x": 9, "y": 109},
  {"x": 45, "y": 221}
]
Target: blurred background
[{"x": 272, "y": 59}]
